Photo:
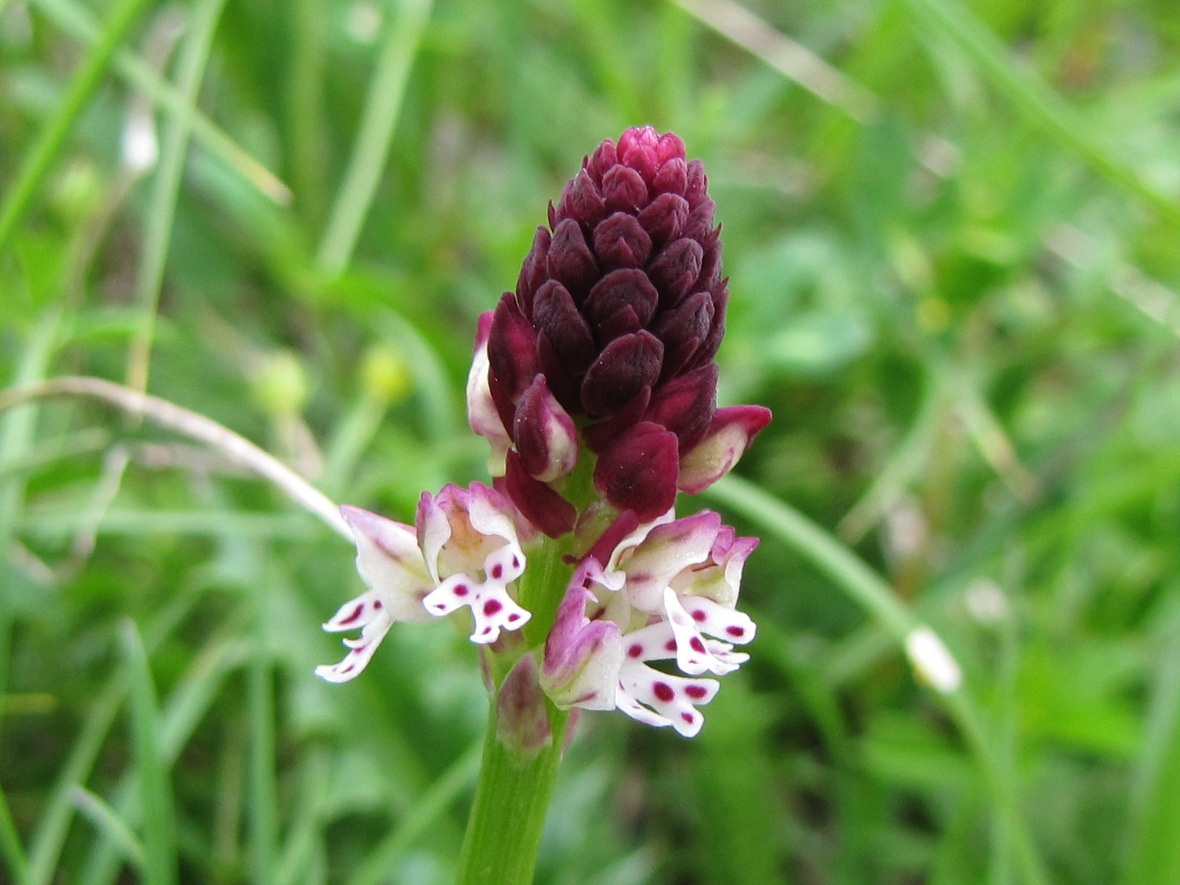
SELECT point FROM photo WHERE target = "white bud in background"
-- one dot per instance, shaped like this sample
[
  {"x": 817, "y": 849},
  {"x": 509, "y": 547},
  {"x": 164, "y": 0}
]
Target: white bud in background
[{"x": 932, "y": 661}]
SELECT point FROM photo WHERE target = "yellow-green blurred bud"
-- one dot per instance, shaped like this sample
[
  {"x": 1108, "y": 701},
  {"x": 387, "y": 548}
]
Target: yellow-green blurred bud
[
  {"x": 77, "y": 190},
  {"x": 385, "y": 376},
  {"x": 280, "y": 385}
]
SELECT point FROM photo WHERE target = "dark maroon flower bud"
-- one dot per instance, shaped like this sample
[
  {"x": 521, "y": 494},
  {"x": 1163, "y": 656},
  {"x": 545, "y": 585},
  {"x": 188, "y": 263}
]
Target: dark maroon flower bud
[
  {"x": 512, "y": 356},
  {"x": 570, "y": 260},
  {"x": 622, "y": 302},
  {"x": 620, "y": 308},
  {"x": 664, "y": 217},
  {"x": 621, "y": 241},
  {"x": 676, "y": 270},
  {"x": 534, "y": 271},
  {"x": 565, "y": 346},
  {"x": 582, "y": 199},
  {"x": 544, "y": 433},
  {"x": 639, "y": 471},
  {"x": 624, "y": 367},
  {"x": 712, "y": 342},
  {"x": 683, "y": 329},
  {"x": 624, "y": 189},
  {"x": 686, "y": 405}
]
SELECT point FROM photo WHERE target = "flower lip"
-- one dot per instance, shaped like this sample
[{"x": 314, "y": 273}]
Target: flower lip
[
  {"x": 471, "y": 544},
  {"x": 390, "y": 563}
]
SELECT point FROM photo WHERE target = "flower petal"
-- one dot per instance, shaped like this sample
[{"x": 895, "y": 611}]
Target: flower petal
[
  {"x": 664, "y": 553},
  {"x": 658, "y": 699},
  {"x": 693, "y": 654},
  {"x": 359, "y": 651},
  {"x": 582, "y": 657},
  {"x": 389, "y": 562},
  {"x": 491, "y": 607},
  {"x": 482, "y": 414}
]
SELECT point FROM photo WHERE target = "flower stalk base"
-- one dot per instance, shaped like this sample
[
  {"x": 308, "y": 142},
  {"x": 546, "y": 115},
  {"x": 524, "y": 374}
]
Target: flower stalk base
[{"x": 511, "y": 801}]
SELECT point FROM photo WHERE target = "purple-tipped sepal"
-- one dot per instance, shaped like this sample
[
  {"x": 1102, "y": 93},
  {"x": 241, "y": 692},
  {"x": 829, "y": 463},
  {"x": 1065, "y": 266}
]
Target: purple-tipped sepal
[
  {"x": 730, "y": 433},
  {"x": 545, "y": 435},
  {"x": 582, "y": 656},
  {"x": 482, "y": 414}
]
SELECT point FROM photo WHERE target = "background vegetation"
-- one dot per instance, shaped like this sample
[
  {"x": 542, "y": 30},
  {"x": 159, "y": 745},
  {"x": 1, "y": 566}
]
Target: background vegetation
[{"x": 953, "y": 268}]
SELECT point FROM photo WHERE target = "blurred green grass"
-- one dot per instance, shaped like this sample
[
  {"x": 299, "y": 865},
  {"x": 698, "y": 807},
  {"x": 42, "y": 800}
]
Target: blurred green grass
[{"x": 953, "y": 266}]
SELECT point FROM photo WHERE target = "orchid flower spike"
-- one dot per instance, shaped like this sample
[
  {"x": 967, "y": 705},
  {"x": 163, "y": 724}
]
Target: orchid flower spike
[{"x": 595, "y": 384}]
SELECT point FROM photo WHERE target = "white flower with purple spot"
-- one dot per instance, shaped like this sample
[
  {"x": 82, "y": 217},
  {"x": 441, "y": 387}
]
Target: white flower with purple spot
[
  {"x": 392, "y": 567},
  {"x": 667, "y": 599},
  {"x": 471, "y": 542}
]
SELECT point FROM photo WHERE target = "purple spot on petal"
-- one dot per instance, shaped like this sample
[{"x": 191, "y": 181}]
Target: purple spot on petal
[
  {"x": 670, "y": 645},
  {"x": 699, "y": 615},
  {"x": 635, "y": 651},
  {"x": 663, "y": 691},
  {"x": 696, "y": 692},
  {"x": 512, "y": 618},
  {"x": 697, "y": 645},
  {"x": 689, "y": 718},
  {"x": 356, "y": 613},
  {"x": 491, "y": 607},
  {"x": 736, "y": 631},
  {"x": 377, "y": 605},
  {"x": 461, "y": 590},
  {"x": 497, "y": 571}
]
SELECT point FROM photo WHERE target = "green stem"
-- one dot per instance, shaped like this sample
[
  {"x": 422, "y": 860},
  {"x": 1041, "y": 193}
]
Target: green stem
[
  {"x": 511, "y": 801},
  {"x": 515, "y": 782}
]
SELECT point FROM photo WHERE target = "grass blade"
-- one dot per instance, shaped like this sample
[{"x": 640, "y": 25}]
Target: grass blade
[
  {"x": 51, "y": 831},
  {"x": 44, "y": 151},
  {"x": 114, "y": 827},
  {"x": 868, "y": 590},
  {"x": 263, "y": 788},
  {"x": 194, "y": 55},
  {"x": 10, "y": 847},
  {"x": 77, "y": 21},
  {"x": 382, "y": 106},
  {"x": 1154, "y": 855},
  {"x": 155, "y": 793},
  {"x": 194, "y": 695},
  {"x": 16, "y": 442},
  {"x": 1034, "y": 98},
  {"x": 427, "y": 811}
]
